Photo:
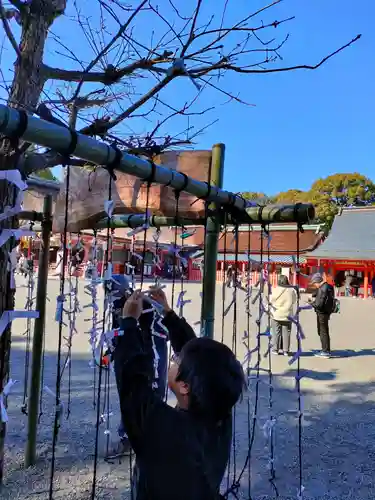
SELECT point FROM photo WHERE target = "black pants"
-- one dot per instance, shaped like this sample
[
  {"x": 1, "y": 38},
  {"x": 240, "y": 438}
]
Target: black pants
[{"x": 323, "y": 331}]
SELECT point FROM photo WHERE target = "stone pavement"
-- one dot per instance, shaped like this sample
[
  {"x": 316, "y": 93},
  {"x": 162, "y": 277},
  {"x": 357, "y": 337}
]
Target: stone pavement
[{"x": 338, "y": 434}]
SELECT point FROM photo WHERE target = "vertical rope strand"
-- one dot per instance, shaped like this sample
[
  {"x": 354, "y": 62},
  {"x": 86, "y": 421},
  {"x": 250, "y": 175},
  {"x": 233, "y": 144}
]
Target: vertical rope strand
[
  {"x": 224, "y": 279},
  {"x": 100, "y": 375},
  {"x": 247, "y": 341},
  {"x": 268, "y": 284},
  {"x": 29, "y": 306},
  {"x": 234, "y": 349},
  {"x": 58, "y": 408},
  {"x": 298, "y": 378},
  {"x": 145, "y": 234}
]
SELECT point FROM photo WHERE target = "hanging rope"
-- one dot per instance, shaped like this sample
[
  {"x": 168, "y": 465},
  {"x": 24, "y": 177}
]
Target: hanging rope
[
  {"x": 59, "y": 318},
  {"x": 60, "y": 310},
  {"x": 107, "y": 292},
  {"x": 74, "y": 309},
  {"x": 223, "y": 296},
  {"x": 157, "y": 260},
  {"x": 252, "y": 422},
  {"x": 247, "y": 345},
  {"x": 146, "y": 226},
  {"x": 298, "y": 377},
  {"x": 29, "y": 306},
  {"x": 92, "y": 290},
  {"x": 270, "y": 423},
  {"x": 235, "y": 484}
]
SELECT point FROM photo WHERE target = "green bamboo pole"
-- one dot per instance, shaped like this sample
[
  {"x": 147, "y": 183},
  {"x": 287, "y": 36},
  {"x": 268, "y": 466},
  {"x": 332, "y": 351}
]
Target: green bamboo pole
[
  {"x": 59, "y": 138},
  {"x": 30, "y": 215},
  {"x": 301, "y": 213},
  {"x": 211, "y": 248},
  {"x": 37, "y": 352},
  {"x": 137, "y": 220}
]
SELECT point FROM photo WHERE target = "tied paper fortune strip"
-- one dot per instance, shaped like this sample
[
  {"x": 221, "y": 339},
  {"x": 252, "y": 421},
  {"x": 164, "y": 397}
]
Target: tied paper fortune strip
[
  {"x": 13, "y": 177},
  {"x": 3, "y": 412},
  {"x": 144, "y": 226},
  {"x": 109, "y": 205},
  {"x": 10, "y": 211},
  {"x": 178, "y": 66},
  {"x": 12, "y": 266},
  {"x": 8, "y": 316}
]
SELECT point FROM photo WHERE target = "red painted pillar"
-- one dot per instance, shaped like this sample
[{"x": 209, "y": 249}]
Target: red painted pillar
[
  {"x": 190, "y": 269},
  {"x": 365, "y": 284}
]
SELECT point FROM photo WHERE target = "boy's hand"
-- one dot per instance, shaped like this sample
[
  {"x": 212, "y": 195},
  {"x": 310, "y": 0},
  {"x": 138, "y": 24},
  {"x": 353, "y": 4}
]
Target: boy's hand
[
  {"x": 159, "y": 296},
  {"x": 133, "y": 306}
]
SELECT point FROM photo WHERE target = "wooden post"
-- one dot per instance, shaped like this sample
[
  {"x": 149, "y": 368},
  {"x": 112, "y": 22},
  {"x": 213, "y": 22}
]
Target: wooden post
[{"x": 365, "y": 284}]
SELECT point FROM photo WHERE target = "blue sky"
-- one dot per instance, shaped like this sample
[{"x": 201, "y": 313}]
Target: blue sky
[{"x": 305, "y": 124}]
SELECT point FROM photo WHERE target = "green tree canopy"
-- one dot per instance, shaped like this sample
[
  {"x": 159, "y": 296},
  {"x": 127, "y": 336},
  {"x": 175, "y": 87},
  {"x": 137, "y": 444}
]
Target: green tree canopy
[
  {"x": 346, "y": 189},
  {"x": 291, "y": 196},
  {"x": 262, "y": 198},
  {"x": 327, "y": 195},
  {"x": 46, "y": 174}
]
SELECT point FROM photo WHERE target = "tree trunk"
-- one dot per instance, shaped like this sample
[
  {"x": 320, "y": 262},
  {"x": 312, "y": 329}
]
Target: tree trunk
[{"x": 25, "y": 92}]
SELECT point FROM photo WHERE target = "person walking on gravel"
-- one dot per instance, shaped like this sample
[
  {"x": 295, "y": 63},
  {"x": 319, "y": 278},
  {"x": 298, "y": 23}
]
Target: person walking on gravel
[
  {"x": 324, "y": 304},
  {"x": 283, "y": 300}
]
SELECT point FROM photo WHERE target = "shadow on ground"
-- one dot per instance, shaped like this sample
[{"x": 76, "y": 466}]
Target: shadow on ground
[{"x": 338, "y": 440}]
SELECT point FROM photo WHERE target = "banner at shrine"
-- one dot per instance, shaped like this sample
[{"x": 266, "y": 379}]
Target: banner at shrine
[{"x": 89, "y": 191}]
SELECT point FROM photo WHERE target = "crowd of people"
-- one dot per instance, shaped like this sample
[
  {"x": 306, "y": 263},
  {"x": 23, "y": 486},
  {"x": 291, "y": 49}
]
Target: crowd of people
[
  {"x": 282, "y": 303},
  {"x": 282, "y": 307}
]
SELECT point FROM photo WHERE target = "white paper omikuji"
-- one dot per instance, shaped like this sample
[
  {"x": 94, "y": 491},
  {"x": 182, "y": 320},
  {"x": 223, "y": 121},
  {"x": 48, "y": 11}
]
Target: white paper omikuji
[
  {"x": 9, "y": 316},
  {"x": 14, "y": 177},
  {"x": 3, "y": 412},
  {"x": 12, "y": 265},
  {"x": 108, "y": 207},
  {"x": 60, "y": 407},
  {"x": 300, "y": 493},
  {"x": 10, "y": 211}
]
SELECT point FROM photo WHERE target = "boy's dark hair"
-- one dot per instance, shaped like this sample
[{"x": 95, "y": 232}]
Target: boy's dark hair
[{"x": 214, "y": 375}]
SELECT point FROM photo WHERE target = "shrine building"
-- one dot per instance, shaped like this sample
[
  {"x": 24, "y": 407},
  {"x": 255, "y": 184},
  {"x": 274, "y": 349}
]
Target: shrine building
[{"x": 349, "y": 250}]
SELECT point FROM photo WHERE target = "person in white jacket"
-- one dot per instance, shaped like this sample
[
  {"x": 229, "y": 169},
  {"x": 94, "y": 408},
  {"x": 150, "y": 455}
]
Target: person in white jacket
[{"x": 282, "y": 305}]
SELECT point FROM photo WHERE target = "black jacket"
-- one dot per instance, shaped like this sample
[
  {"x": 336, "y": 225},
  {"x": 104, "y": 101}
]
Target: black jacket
[
  {"x": 324, "y": 298},
  {"x": 179, "y": 456}
]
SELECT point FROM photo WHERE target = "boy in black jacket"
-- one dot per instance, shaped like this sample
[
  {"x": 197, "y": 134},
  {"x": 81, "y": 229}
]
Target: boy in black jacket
[{"x": 182, "y": 452}]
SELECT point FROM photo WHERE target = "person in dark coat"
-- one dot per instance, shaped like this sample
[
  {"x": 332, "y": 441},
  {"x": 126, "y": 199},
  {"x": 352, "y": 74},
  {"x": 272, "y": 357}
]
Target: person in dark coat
[
  {"x": 181, "y": 453},
  {"x": 373, "y": 287},
  {"x": 323, "y": 304}
]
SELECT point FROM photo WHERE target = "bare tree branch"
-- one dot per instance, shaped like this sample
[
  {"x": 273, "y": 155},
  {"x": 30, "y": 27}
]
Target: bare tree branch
[
  {"x": 146, "y": 97},
  {"x": 225, "y": 65},
  {"x": 111, "y": 43},
  {"x": 8, "y": 31},
  {"x": 108, "y": 77},
  {"x": 126, "y": 76}
]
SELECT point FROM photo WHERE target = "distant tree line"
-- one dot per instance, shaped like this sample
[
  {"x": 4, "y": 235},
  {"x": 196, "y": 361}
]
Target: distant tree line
[{"x": 328, "y": 195}]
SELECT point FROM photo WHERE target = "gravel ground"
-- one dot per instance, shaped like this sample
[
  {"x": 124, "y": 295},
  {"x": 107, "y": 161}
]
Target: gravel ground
[{"x": 338, "y": 402}]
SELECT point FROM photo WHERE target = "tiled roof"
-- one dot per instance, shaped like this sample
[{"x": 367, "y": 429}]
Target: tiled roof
[
  {"x": 277, "y": 259},
  {"x": 352, "y": 236}
]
